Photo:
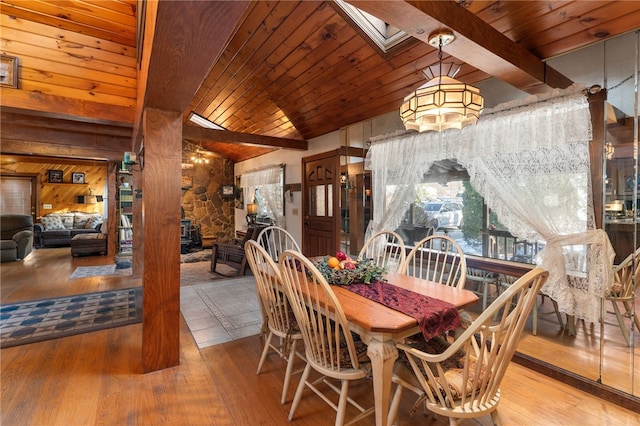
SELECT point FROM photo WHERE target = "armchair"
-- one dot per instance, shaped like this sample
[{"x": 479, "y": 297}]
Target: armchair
[
  {"x": 16, "y": 233},
  {"x": 233, "y": 254}
]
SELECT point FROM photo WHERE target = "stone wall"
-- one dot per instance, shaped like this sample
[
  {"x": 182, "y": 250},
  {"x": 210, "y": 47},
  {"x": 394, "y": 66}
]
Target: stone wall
[{"x": 202, "y": 200}]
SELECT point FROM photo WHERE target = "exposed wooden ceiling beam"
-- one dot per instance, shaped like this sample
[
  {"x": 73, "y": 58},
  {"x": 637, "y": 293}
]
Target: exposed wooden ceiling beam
[
  {"x": 52, "y": 149},
  {"x": 187, "y": 38},
  {"x": 66, "y": 108},
  {"x": 201, "y": 134},
  {"x": 91, "y": 141},
  {"x": 10, "y": 116},
  {"x": 477, "y": 43}
]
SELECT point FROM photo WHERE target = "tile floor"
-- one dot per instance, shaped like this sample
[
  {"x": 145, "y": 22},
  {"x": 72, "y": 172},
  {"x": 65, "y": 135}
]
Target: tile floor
[{"x": 221, "y": 311}]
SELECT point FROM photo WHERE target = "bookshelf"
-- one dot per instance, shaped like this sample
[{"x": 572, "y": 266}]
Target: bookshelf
[{"x": 125, "y": 228}]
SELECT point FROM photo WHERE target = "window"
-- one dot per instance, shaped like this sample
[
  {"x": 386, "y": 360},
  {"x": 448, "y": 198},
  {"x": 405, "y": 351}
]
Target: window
[
  {"x": 266, "y": 187},
  {"x": 530, "y": 161},
  {"x": 450, "y": 205}
]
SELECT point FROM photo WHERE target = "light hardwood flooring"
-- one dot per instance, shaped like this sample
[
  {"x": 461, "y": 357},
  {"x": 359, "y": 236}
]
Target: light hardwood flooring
[{"x": 96, "y": 378}]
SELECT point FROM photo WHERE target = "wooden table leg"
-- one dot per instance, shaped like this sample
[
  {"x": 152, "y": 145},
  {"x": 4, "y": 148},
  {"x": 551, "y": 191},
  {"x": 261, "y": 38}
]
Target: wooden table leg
[{"x": 383, "y": 355}]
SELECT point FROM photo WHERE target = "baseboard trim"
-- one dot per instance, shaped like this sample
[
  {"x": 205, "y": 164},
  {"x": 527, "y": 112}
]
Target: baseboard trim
[{"x": 592, "y": 387}]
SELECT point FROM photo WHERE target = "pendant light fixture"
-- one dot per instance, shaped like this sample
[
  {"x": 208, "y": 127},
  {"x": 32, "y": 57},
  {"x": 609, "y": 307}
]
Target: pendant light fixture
[{"x": 442, "y": 102}]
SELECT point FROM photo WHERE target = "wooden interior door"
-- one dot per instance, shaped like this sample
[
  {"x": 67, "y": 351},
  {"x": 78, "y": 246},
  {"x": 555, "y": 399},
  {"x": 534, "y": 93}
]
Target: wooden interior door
[{"x": 320, "y": 204}]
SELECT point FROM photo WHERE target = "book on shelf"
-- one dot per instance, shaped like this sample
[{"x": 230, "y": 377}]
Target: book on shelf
[{"x": 124, "y": 221}]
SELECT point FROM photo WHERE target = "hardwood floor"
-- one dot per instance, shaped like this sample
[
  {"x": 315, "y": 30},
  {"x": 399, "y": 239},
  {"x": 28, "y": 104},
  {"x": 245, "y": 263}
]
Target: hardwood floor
[
  {"x": 46, "y": 272},
  {"x": 96, "y": 378}
]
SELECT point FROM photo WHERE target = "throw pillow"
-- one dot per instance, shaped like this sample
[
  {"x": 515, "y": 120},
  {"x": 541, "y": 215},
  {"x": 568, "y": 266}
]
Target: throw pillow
[
  {"x": 52, "y": 223},
  {"x": 80, "y": 221},
  {"x": 93, "y": 221},
  {"x": 67, "y": 220}
]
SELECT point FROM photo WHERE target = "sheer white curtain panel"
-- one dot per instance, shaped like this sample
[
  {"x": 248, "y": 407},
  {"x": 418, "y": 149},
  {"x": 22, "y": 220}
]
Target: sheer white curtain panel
[
  {"x": 269, "y": 182},
  {"x": 530, "y": 161}
]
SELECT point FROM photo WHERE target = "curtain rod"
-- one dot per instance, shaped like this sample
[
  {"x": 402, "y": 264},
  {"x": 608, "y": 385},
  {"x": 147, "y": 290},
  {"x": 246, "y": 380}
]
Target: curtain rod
[{"x": 273, "y": 166}]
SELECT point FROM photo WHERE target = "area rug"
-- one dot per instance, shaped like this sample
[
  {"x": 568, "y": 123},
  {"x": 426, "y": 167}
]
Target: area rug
[
  {"x": 93, "y": 271},
  {"x": 45, "y": 319},
  {"x": 196, "y": 256}
]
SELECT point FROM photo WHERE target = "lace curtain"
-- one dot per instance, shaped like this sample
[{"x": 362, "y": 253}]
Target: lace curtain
[
  {"x": 269, "y": 184},
  {"x": 530, "y": 162}
]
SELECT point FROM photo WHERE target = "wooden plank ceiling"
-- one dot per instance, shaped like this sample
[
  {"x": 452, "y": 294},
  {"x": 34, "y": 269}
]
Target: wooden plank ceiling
[{"x": 292, "y": 69}]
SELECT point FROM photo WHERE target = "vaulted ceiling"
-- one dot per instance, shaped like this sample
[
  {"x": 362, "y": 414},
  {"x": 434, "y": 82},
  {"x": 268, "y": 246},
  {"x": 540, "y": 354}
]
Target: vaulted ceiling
[{"x": 272, "y": 74}]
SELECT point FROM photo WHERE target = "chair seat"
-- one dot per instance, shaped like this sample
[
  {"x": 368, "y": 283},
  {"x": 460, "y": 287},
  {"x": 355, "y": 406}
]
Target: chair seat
[{"x": 462, "y": 380}]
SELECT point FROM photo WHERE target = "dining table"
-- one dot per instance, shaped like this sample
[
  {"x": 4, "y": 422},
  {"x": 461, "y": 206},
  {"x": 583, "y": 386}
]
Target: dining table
[{"x": 380, "y": 327}]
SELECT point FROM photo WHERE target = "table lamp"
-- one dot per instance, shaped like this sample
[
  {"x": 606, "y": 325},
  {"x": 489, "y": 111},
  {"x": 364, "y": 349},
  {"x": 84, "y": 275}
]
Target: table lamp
[{"x": 252, "y": 213}]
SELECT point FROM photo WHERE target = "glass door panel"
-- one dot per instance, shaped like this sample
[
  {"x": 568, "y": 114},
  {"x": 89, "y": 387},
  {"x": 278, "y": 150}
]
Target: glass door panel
[{"x": 619, "y": 333}]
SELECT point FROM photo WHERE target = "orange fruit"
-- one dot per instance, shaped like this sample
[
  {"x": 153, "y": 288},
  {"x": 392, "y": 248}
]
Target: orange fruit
[{"x": 333, "y": 262}]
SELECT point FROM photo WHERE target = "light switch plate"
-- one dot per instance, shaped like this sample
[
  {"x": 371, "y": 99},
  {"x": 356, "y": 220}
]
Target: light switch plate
[{"x": 47, "y": 206}]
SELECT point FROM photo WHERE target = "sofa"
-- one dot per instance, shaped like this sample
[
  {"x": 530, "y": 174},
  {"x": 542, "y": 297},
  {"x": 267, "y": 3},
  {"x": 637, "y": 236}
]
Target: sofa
[
  {"x": 16, "y": 235},
  {"x": 57, "y": 229}
]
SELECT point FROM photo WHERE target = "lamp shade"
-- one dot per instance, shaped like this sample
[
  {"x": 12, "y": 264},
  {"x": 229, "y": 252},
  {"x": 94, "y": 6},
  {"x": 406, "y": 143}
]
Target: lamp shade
[
  {"x": 252, "y": 208},
  {"x": 442, "y": 102}
]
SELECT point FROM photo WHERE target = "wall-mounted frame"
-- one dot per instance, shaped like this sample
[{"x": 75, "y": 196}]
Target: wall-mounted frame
[
  {"x": 55, "y": 176},
  {"x": 77, "y": 177},
  {"x": 9, "y": 71},
  {"x": 228, "y": 191},
  {"x": 239, "y": 198}
]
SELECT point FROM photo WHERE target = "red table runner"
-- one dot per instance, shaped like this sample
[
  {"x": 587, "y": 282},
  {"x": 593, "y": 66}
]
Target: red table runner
[{"x": 434, "y": 316}]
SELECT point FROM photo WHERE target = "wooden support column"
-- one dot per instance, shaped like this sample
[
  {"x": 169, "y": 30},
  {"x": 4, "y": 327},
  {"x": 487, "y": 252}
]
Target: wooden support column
[
  {"x": 596, "y": 148},
  {"x": 159, "y": 234}
]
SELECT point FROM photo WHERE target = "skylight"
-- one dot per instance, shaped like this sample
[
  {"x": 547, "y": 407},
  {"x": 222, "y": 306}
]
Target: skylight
[
  {"x": 385, "y": 36},
  {"x": 203, "y": 122}
]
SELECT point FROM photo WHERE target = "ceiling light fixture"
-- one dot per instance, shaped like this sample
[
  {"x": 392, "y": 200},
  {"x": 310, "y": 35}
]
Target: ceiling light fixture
[
  {"x": 609, "y": 150},
  {"x": 198, "y": 158},
  {"x": 442, "y": 102}
]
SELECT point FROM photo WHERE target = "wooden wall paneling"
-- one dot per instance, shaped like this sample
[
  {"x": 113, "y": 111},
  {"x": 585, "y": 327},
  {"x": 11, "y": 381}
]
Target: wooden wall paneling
[
  {"x": 58, "y": 48},
  {"x": 101, "y": 79},
  {"x": 85, "y": 58},
  {"x": 67, "y": 37},
  {"x": 159, "y": 232},
  {"x": 61, "y": 196},
  {"x": 67, "y": 73},
  {"x": 51, "y": 15},
  {"x": 53, "y": 83}
]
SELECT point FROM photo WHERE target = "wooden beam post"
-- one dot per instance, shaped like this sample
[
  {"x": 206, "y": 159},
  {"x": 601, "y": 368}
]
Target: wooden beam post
[{"x": 158, "y": 231}]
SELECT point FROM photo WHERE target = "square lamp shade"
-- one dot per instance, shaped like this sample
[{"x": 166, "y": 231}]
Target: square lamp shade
[{"x": 252, "y": 208}]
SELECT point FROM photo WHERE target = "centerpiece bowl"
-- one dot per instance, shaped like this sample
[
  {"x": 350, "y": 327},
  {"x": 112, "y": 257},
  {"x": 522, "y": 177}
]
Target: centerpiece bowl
[{"x": 342, "y": 270}]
